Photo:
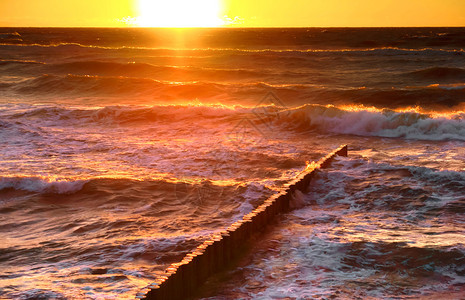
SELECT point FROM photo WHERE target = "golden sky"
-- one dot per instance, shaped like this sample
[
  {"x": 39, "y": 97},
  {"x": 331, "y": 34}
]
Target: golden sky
[{"x": 249, "y": 13}]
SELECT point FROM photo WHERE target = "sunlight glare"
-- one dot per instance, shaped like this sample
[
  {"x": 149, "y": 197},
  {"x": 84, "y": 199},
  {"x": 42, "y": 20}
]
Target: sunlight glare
[{"x": 179, "y": 13}]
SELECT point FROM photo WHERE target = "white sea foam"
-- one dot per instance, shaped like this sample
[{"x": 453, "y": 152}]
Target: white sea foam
[
  {"x": 387, "y": 123},
  {"x": 42, "y": 185}
]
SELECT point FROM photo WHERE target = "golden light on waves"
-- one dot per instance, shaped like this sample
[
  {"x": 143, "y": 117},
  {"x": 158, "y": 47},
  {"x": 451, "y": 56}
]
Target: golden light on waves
[{"x": 452, "y": 114}]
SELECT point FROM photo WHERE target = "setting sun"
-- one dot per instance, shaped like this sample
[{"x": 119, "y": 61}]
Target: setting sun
[
  {"x": 231, "y": 13},
  {"x": 179, "y": 13}
]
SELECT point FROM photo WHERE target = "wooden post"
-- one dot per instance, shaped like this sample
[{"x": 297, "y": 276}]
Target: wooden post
[{"x": 183, "y": 279}]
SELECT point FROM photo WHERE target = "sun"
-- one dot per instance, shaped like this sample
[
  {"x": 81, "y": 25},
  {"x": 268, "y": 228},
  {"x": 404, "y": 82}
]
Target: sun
[{"x": 179, "y": 13}]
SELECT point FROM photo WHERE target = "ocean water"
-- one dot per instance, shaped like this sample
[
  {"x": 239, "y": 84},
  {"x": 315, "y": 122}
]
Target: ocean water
[{"x": 123, "y": 149}]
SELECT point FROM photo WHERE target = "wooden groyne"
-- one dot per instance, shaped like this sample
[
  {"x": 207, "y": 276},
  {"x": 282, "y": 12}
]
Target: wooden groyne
[{"x": 181, "y": 280}]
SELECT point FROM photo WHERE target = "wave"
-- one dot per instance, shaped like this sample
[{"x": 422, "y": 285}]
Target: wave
[
  {"x": 263, "y": 68},
  {"x": 149, "y": 196},
  {"x": 426, "y": 97},
  {"x": 440, "y": 74},
  {"x": 234, "y": 92},
  {"x": 374, "y": 122},
  {"x": 87, "y": 85},
  {"x": 19, "y": 67},
  {"x": 80, "y": 84},
  {"x": 4, "y": 62},
  {"x": 450, "y": 180},
  {"x": 354, "y": 120},
  {"x": 134, "y": 69},
  {"x": 123, "y": 114},
  {"x": 10, "y": 37},
  {"x": 452, "y": 86},
  {"x": 431, "y": 96},
  {"x": 411, "y": 182},
  {"x": 145, "y": 88},
  {"x": 9, "y": 34},
  {"x": 41, "y": 185},
  {"x": 96, "y": 185},
  {"x": 361, "y": 49}
]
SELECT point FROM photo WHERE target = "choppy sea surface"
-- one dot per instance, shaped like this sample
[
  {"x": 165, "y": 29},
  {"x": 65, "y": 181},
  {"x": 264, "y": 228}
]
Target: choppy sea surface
[{"x": 121, "y": 150}]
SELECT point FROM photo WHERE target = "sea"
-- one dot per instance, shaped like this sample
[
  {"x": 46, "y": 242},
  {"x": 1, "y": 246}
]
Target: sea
[{"x": 123, "y": 149}]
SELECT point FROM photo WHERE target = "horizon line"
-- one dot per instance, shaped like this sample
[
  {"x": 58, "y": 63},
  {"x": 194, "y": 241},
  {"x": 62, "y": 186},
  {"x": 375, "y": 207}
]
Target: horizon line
[{"x": 226, "y": 27}]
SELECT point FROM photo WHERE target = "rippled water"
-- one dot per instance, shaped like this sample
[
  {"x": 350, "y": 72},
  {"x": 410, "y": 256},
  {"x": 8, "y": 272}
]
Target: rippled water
[
  {"x": 372, "y": 227},
  {"x": 122, "y": 150}
]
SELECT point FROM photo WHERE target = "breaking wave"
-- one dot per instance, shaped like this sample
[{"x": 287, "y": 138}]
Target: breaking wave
[
  {"x": 353, "y": 120},
  {"x": 41, "y": 185},
  {"x": 381, "y": 123}
]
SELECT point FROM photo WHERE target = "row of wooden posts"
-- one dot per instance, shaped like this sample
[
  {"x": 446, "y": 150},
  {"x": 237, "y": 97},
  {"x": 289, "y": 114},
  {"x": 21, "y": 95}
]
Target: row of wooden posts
[{"x": 181, "y": 280}]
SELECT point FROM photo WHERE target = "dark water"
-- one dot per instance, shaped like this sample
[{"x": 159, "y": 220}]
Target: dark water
[{"x": 122, "y": 149}]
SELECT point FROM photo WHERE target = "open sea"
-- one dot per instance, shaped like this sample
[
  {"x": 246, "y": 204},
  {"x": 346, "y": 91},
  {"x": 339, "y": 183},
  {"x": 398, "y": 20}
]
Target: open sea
[{"x": 121, "y": 150}]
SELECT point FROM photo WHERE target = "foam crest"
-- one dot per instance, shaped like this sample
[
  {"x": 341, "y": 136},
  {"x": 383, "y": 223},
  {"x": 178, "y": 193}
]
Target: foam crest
[
  {"x": 121, "y": 114},
  {"x": 42, "y": 184},
  {"x": 381, "y": 123},
  {"x": 353, "y": 120}
]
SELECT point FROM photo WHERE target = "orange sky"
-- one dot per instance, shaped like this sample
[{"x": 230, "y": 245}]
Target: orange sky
[{"x": 250, "y": 13}]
